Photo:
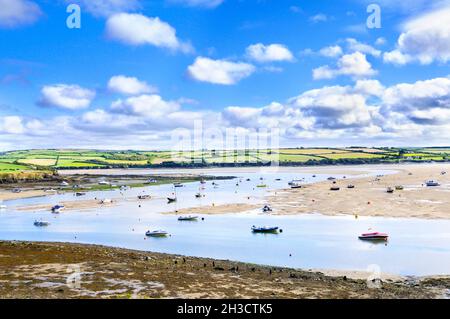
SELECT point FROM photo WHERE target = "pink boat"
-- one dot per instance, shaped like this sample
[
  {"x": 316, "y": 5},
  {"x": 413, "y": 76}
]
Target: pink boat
[{"x": 374, "y": 236}]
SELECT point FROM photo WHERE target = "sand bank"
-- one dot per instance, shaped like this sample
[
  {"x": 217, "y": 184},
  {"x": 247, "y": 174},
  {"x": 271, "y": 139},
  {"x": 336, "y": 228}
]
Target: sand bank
[
  {"x": 216, "y": 209},
  {"x": 370, "y": 198}
]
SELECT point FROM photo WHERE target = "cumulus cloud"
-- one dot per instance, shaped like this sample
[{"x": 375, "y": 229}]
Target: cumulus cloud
[
  {"x": 434, "y": 93},
  {"x": 425, "y": 38},
  {"x": 137, "y": 29},
  {"x": 11, "y": 125},
  {"x": 356, "y": 46},
  {"x": 145, "y": 105},
  {"x": 396, "y": 57},
  {"x": 65, "y": 96},
  {"x": 369, "y": 87},
  {"x": 354, "y": 65},
  {"x": 199, "y": 3},
  {"x": 14, "y": 13},
  {"x": 219, "y": 71},
  {"x": 129, "y": 85},
  {"x": 106, "y": 8},
  {"x": 269, "y": 53},
  {"x": 334, "y": 107},
  {"x": 331, "y": 51}
]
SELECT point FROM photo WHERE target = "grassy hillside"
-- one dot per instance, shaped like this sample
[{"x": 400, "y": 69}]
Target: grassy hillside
[{"x": 49, "y": 160}]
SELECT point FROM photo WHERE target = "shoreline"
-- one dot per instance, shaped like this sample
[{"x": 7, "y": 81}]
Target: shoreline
[{"x": 40, "y": 270}]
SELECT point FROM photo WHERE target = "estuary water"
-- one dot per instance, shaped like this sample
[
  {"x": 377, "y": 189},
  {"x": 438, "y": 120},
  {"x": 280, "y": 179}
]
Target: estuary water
[{"x": 309, "y": 241}]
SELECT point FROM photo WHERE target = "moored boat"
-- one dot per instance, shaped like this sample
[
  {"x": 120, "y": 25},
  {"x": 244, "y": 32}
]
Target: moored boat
[
  {"x": 187, "y": 218},
  {"x": 432, "y": 183},
  {"x": 265, "y": 229},
  {"x": 266, "y": 208},
  {"x": 156, "y": 233},
  {"x": 41, "y": 223},
  {"x": 374, "y": 236},
  {"x": 171, "y": 199},
  {"x": 390, "y": 190},
  {"x": 57, "y": 209}
]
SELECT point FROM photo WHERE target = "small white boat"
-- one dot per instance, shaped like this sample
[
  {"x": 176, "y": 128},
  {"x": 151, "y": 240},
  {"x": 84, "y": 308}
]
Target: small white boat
[
  {"x": 57, "y": 209},
  {"x": 294, "y": 182},
  {"x": 106, "y": 201},
  {"x": 432, "y": 183},
  {"x": 156, "y": 233},
  {"x": 103, "y": 183},
  {"x": 178, "y": 185},
  {"x": 264, "y": 229},
  {"x": 64, "y": 183},
  {"x": 187, "y": 218},
  {"x": 296, "y": 185},
  {"x": 41, "y": 223},
  {"x": 171, "y": 199}
]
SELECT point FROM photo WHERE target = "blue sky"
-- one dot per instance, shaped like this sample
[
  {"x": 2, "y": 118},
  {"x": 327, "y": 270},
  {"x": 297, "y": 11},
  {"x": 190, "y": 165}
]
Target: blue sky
[{"x": 138, "y": 70}]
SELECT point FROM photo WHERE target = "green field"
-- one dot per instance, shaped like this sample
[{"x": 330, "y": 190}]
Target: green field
[{"x": 50, "y": 160}]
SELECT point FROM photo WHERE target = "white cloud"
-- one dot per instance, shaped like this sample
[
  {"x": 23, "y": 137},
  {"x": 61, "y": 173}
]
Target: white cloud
[
  {"x": 425, "y": 38},
  {"x": 71, "y": 97},
  {"x": 199, "y": 3},
  {"x": 269, "y": 53},
  {"x": 421, "y": 94},
  {"x": 320, "y": 17},
  {"x": 334, "y": 107},
  {"x": 331, "y": 51},
  {"x": 219, "y": 71},
  {"x": 137, "y": 29},
  {"x": 354, "y": 65},
  {"x": 369, "y": 87},
  {"x": 15, "y": 13},
  {"x": 151, "y": 106},
  {"x": 396, "y": 57},
  {"x": 241, "y": 116},
  {"x": 380, "y": 41},
  {"x": 356, "y": 46},
  {"x": 129, "y": 85},
  {"x": 106, "y": 8},
  {"x": 11, "y": 125}
]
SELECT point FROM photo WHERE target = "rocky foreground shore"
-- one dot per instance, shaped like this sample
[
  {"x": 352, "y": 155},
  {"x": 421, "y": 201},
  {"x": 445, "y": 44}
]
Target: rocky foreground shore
[{"x": 61, "y": 270}]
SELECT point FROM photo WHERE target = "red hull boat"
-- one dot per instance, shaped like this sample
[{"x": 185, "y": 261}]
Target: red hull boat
[{"x": 374, "y": 236}]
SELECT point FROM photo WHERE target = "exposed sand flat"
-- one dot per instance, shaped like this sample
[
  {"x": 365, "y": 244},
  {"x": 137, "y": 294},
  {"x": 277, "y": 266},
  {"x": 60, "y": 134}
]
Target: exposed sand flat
[
  {"x": 216, "y": 209},
  {"x": 8, "y": 195},
  {"x": 369, "y": 197},
  {"x": 70, "y": 205}
]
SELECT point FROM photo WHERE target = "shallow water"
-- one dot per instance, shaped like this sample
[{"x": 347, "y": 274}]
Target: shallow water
[{"x": 416, "y": 246}]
